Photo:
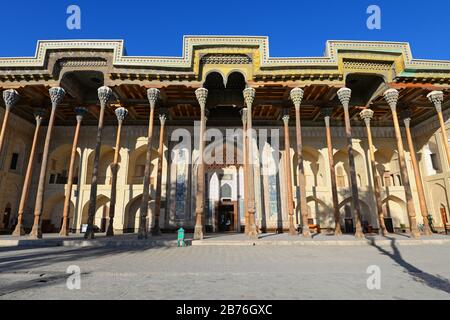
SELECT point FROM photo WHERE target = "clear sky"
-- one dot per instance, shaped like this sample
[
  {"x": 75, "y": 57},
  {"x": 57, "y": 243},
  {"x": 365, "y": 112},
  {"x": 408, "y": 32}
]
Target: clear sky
[{"x": 295, "y": 28}]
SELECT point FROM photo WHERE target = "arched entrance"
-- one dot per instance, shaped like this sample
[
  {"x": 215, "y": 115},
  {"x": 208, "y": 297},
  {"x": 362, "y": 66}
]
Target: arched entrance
[
  {"x": 132, "y": 214},
  {"x": 224, "y": 182},
  {"x": 347, "y": 218},
  {"x": 223, "y": 154},
  {"x": 6, "y": 215},
  {"x": 101, "y": 213}
]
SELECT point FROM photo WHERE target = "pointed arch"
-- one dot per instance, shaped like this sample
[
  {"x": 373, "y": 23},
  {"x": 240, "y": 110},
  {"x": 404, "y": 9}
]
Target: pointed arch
[
  {"x": 101, "y": 212},
  {"x": 53, "y": 212},
  {"x": 59, "y": 161},
  {"x": 395, "y": 208},
  {"x": 104, "y": 166},
  {"x": 314, "y": 167},
  {"x": 132, "y": 213},
  {"x": 320, "y": 211},
  {"x": 136, "y": 165}
]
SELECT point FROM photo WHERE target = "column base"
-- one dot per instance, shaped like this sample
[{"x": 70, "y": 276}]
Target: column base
[
  {"x": 338, "y": 232},
  {"x": 305, "y": 232},
  {"x": 292, "y": 231},
  {"x": 156, "y": 231},
  {"x": 359, "y": 234},
  {"x": 142, "y": 231},
  {"x": 198, "y": 233},
  {"x": 89, "y": 234},
  {"x": 110, "y": 229},
  {"x": 415, "y": 234},
  {"x": 18, "y": 231},
  {"x": 64, "y": 232},
  {"x": 253, "y": 234},
  {"x": 35, "y": 233},
  {"x": 427, "y": 230},
  {"x": 142, "y": 235}
]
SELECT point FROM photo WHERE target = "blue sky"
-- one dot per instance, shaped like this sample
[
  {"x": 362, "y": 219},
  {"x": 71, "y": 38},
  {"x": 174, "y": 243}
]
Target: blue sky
[{"x": 295, "y": 28}]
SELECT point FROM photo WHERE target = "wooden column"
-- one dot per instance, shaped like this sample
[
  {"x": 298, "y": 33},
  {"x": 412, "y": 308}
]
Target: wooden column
[
  {"x": 327, "y": 112},
  {"x": 152, "y": 95},
  {"x": 287, "y": 175},
  {"x": 121, "y": 113},
  {"x": 104, "y": 95},
  {"x": 56, "y": 96},
  {"x": 406, "y": 115},
  {"x": 80, "y": 112},
  {"x": 344, "y": 95},
  {"x": 391, "y": 97},
  {"x": 245, "y": 166},
  {"x": 10, "y": 97},
  {"x": 437, "y": 97},
  {"x": 156, "y": 231},
  {"x": 19, "y": 231},
  {"x": 249, "y": 97},
  {"x": 367, "y": 115},
  {"x": 296, "y": 95},
  {"x": 199, "y": 230}
]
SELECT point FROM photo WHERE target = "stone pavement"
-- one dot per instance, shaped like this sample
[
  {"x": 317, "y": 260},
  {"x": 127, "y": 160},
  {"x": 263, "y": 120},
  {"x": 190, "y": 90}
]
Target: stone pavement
[
  {"x": 77, "y": 240},
  {"x": 320, "y": 239},
  {"x": 218, "y": 239},
  {"x": 227, "y": 272}
]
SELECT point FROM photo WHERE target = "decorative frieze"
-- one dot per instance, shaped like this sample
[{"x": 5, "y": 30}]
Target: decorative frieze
[
  {"x": 82, "y": 63},
  {"x": 368, "y": 65},
  {"x": 226, "y": 59}
]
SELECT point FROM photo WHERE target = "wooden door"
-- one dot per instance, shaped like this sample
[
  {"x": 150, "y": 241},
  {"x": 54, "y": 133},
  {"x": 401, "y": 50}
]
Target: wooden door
[{"x": 444, "y": 216}]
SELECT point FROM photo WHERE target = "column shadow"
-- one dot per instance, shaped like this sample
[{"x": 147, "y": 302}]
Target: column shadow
[{"x": 433, "y": 281}]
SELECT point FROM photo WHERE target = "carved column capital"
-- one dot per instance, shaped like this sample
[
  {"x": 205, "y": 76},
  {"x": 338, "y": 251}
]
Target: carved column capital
[
  {"x": 121, "y": 113},
  {"x": 285, "y": 118},
  {"x": 366, "y": 115},
  {"x": 10, "y": 97},
  {"x": 344, "y": 95},
  {"x": 202, "y": 95},
  {"x": 162, "y": 118},
  {"x": 391, "y": 97},
  {"x": 80, "y": 112},
  {"x": 296, "y": 95},
  {"x": 406, "y": 116},
  {"x": 249, "y": 96},
  {"x": 104, "y": 94},
  {"x": 327, "y": 113},
  {"x": 436, "y": 97},
  {"x": 56, "y": 95},
  {"x": 152, "y": 96},
  {"x": 38, "y": 115}
]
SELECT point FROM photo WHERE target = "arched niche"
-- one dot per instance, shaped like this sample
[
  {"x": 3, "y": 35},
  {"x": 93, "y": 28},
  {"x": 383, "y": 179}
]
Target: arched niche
[
  {"x": 136, "y": 167},
  {"x": 387, "y": 167},
  {"x": 59, "y": 161},
  {"x": 104, "y": 167},
  {"x": 313, "y": 164},
  {"x": 52, "y": 213},
  {"x": 101, "y": 212},
  {"x": 395, "y": 208},
  {"x": 342, "y": 168}
]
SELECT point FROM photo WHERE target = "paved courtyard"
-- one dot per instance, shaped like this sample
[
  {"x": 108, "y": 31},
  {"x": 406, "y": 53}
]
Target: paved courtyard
[{"x": 227, "y": 272}]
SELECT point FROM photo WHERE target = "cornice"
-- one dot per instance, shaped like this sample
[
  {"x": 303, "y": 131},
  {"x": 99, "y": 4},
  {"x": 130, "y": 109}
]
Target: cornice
[{"x": 261, "y": 43}]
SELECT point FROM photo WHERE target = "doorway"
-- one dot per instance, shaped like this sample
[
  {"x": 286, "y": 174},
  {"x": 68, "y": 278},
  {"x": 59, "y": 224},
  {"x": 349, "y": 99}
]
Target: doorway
[
  {"x": 6, "y": 216},
  {"x": 227, "y": 217},
  {"x": 444, "y": 215}
]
